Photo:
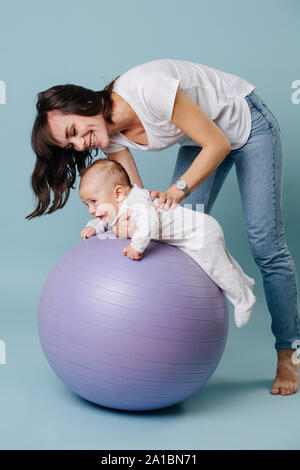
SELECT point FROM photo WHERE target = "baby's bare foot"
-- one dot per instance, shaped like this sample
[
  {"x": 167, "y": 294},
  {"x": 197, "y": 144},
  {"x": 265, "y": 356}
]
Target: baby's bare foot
[{"x": 286, "y": 380}]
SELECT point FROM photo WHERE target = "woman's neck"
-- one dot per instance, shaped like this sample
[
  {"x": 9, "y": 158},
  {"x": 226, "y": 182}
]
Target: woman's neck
[{"x": 122, "y": 115}]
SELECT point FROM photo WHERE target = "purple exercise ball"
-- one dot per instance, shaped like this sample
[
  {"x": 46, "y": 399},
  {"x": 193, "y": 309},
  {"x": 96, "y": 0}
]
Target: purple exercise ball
[{"x": 131, "y": 335}]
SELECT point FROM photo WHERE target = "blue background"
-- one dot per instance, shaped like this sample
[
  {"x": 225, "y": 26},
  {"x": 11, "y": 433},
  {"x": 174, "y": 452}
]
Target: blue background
[{"x": 88, "y": 43}]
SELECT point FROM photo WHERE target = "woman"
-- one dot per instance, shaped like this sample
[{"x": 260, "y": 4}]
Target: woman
[{"x": 218, "y": 120}]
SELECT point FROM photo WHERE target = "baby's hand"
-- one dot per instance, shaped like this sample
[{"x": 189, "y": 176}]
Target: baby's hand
[
  {"x": 87, "y": 232},
  {"x": 131, "y": 252}
]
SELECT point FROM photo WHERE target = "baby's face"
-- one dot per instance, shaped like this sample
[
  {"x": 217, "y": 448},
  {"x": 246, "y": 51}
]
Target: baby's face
[{"x": 100, "y": 199}]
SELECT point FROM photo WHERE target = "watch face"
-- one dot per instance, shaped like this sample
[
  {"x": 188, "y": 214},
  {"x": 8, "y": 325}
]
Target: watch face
[{"x": 181, "y": 184}]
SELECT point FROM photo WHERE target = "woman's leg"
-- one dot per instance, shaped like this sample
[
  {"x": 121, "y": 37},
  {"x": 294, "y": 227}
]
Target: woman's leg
[
  {"x": 259, "y": 173},
  {"x": 269, "y": 249}
]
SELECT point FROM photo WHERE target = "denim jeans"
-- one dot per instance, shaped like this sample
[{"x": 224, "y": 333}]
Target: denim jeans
[{"x": 258, "y": 166}]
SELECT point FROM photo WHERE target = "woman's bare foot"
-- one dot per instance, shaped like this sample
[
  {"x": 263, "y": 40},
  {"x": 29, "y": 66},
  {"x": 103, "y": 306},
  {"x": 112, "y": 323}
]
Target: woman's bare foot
[{"x": 286, "y": 380}]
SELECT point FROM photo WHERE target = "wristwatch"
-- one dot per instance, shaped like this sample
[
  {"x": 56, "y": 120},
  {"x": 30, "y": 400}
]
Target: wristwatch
[{"x": 181, "y": 184}]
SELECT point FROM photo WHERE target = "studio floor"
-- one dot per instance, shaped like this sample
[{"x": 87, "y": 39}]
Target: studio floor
[{"x": 234, "y": 410}]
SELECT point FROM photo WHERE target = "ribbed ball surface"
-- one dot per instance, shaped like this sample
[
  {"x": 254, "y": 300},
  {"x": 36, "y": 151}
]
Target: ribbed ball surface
[{"x": 131, "y": 335}]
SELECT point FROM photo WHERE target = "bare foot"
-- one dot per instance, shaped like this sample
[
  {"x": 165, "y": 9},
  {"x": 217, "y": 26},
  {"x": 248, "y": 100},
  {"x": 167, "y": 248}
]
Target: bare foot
[{"x": 286, "y": 380}]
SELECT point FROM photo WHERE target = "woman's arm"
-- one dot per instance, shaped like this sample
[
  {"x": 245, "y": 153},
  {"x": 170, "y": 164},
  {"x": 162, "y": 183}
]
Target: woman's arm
[
  {"x": 126, "y": 159},
  {"x": 200, "y": 128}
]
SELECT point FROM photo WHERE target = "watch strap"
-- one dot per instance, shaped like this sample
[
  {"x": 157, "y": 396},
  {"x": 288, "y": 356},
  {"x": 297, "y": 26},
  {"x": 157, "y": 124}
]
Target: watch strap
[{"x": 186, "y": 190}]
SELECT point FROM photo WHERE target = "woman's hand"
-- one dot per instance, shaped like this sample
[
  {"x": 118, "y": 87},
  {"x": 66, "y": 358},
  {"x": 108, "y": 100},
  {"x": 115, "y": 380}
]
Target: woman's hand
[
  {"x": 165, "y": 200},
  {"x": 123, "y": 228}
]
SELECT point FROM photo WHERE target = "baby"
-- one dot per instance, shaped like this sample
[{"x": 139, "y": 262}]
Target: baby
[{"x": 106, "y": 189}]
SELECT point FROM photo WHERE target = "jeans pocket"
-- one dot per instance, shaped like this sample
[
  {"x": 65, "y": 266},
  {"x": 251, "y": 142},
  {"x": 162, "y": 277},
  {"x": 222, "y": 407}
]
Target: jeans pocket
[
  {"x": 260, "y": 122},
  {"x": 267, "y": 108}
]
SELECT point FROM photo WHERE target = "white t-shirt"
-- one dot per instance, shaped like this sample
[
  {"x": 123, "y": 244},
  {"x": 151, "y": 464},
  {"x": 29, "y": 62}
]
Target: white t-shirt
[{"x": 150, "y": 89}]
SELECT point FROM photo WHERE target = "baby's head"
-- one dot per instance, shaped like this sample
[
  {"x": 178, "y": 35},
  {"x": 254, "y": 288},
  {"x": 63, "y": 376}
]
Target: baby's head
[{"x": 103, "y": 186}]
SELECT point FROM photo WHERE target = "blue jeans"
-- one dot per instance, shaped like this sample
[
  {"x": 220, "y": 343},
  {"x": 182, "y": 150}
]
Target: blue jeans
[{"x": 258, "y": 165}]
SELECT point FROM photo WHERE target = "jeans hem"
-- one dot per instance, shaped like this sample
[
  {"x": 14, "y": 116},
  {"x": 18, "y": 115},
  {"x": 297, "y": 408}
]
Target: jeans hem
[{"x": 285, "y": 348}]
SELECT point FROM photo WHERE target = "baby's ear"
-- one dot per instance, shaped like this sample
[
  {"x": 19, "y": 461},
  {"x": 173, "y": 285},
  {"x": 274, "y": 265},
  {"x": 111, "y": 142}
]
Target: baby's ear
[{"x": 119, "y": 193}]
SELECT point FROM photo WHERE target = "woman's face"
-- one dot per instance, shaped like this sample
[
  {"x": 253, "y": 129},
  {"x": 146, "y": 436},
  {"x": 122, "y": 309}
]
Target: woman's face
[{"x": 79, "y": 132}]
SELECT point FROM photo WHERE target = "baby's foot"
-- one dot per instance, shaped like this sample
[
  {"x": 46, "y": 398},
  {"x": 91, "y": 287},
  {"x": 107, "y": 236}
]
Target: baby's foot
[
  {"x": 242, "y": 312},
  {"x": 286, "y": 380},
  {"x": 241, "y": 320}
]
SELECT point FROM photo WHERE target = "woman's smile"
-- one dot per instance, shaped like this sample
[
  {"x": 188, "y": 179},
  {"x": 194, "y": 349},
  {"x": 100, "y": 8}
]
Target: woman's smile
[{"x": 93, "y": 140}]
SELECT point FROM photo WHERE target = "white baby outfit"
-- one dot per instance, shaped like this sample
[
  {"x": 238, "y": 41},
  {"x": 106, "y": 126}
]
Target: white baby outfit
[
  {"x": 150, "y": 90},
  {"x": 197, "y": 234}
]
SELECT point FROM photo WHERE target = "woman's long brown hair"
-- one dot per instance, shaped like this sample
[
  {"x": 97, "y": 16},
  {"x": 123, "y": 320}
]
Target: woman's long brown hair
[{"x": 55, "y": 167}]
